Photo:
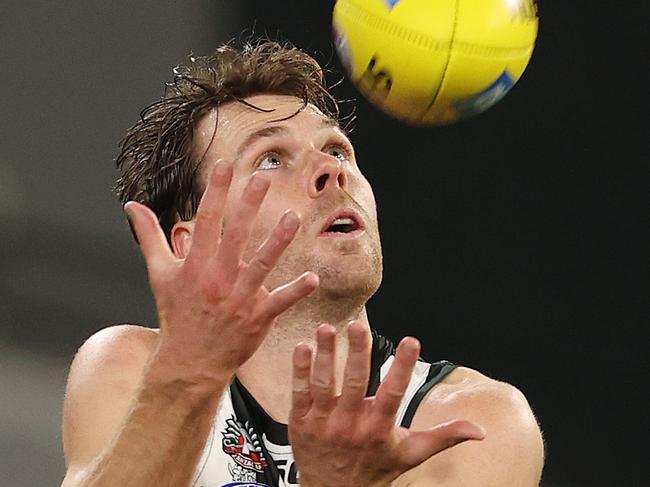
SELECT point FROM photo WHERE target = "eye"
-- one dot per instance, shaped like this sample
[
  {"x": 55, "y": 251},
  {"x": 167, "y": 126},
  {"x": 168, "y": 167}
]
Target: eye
[
  {"x": 340, "y": 152},
  {"x": 270, "y": 160}
]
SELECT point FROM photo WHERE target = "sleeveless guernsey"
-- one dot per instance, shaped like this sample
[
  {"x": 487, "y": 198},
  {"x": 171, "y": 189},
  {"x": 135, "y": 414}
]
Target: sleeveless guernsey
[{"x": 247, "y": 448}]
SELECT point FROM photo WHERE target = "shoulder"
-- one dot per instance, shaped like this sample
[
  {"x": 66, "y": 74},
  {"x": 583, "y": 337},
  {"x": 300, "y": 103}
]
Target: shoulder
[
  {"x": 115, "y": 347},
  {"x": 115, "y": 355},
  {"x": 468, "y": 394},
  {"x": 123, "y": 340},
  {"x": 513, "y": 447},
  {"x": 467, "y": 389},
  {"x": 479, "y": 398},
  {"x": 104, "y": 376}
]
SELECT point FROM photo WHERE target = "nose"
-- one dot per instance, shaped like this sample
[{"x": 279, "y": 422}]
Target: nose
[{"x": 326, "y": 172}]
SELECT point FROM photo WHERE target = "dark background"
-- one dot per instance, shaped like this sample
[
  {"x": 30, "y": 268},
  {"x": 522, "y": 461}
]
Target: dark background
[{"x": 514, "y": 242}]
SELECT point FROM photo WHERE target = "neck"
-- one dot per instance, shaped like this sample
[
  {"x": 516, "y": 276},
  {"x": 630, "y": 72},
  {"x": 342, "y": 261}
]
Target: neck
[{"x": 268, "y": 373}]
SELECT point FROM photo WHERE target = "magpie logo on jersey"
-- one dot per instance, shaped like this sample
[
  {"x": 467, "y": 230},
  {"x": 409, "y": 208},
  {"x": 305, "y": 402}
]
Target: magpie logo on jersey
[{"x": 242, "y": 443}]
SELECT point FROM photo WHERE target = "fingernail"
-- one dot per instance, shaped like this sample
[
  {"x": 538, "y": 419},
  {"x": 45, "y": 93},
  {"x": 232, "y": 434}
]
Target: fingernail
[
  {"x": 303, "y": 354},
  {"x": 475, "y": 431},
  {"x": 467, "y": 430},
  {"x": 221, "y": 169},
  {"x": 326, "y": 332},
  {"x": 312, "y": 277},
  {"x": 291, "y": 220},
  {"x": 356, "y": 332},
  {"x": 411, "y": 345}
]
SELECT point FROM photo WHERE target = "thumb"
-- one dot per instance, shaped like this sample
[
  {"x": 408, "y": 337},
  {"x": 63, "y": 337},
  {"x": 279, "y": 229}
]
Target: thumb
[
  {"x": 422, "y": 445},
  {"x": 149, "y": 235}
]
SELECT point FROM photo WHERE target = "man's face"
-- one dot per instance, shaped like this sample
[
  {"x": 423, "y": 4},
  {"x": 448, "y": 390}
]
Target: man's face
[{"x": 312, "y": 169}]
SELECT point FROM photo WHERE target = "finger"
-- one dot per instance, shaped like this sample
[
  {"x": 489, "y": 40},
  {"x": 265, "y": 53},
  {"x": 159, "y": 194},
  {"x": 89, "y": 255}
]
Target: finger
[
  {"x": 301, "y": 397},
  {"x": 422, "y": 445},
  {"x": 357, "y": 368},
  {"x": 322, "y": 374},
  {"x": 268, "y": 255},
  {"x": 209, "y": 216},
  {"x": 283, "y": 297},
  {"x": 238, "y": 228},
  {"x": 151, "y": 238},
  {"x": 392, "y": 389}
]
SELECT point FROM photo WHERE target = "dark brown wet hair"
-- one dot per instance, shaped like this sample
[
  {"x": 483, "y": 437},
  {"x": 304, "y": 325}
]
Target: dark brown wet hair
[{"x": 157, "y": 160}]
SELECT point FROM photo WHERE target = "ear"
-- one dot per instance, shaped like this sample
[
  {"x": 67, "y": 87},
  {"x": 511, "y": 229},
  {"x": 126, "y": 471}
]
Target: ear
[{"x": 181, "y": 238}]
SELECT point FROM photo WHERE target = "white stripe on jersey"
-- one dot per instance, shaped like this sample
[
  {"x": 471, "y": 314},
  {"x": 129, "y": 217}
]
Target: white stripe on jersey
[
  {"x": 215, "y": 468},
  {"x": 418, "y": 378}
]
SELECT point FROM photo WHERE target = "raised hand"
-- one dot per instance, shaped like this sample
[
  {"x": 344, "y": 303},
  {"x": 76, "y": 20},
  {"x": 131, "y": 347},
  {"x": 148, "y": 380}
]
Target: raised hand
[
  {"x": 350, "y": 439},
  {"x": 213, "y": 308}
]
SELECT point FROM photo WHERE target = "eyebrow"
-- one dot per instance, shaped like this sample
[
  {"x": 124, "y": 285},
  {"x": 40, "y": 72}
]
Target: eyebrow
[
  {"x": 260, "y": 134},
  {"x": 272, "y": 131}
]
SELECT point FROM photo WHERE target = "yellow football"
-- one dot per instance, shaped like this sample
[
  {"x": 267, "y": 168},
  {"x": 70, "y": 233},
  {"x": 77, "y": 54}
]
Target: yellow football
[{"x": 430, "y": 62}]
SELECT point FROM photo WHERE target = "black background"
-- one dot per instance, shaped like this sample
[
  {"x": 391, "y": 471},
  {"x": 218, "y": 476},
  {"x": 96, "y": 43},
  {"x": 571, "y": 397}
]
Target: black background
[{"x": 514, "y": 243}]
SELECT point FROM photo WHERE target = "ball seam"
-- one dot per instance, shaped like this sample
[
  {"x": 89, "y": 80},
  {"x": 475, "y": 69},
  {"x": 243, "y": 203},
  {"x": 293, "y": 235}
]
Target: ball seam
[{"x": 447, "y": 62}]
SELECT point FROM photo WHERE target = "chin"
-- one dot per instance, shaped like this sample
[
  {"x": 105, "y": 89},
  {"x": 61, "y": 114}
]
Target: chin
[
  {"x": 356, "y": 295},
  {"x": 353, "y": 282}
]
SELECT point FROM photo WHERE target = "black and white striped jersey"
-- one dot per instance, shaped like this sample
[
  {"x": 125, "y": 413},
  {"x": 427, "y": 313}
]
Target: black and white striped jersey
[{"x": 247, "y": 448}]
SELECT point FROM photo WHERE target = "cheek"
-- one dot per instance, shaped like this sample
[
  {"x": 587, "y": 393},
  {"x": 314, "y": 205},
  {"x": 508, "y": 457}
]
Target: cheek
[
  {"x": 269, "y": 214},
  {"x": 367, "y": 196},
  {"x": 371, "y": 198},
  {"x": 259, "y": 233},
  {"x": 263, "y": 222}
]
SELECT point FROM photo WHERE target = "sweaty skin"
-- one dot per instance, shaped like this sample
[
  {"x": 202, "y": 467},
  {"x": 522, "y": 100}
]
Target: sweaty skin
[
  {"x": 349, "y": 270},
  {"x": 243, "y": 290}
]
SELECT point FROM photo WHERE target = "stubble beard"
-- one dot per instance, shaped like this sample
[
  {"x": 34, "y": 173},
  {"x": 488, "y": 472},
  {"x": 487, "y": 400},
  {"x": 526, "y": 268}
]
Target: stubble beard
[{"x": 344, "y": 289}]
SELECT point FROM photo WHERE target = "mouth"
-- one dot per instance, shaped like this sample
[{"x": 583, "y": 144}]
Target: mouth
[{"x": 343, "y": 223}]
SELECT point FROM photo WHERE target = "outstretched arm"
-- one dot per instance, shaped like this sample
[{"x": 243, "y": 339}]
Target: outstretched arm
[
  {"x": 138, "y": 409},
  {"x": 129, "y": 419}
]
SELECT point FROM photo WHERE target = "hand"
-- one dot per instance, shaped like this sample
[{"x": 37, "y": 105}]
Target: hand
[
  {"x": 213, "y": 308},
  {"x": 351, "y": 439}
]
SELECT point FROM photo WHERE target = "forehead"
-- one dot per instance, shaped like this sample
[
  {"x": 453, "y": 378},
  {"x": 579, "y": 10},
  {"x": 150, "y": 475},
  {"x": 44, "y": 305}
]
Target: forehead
[{"x": 235, "y": 121}]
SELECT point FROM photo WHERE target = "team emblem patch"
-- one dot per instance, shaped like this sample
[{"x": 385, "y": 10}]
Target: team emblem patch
[{"x": 242, "y": 443}]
